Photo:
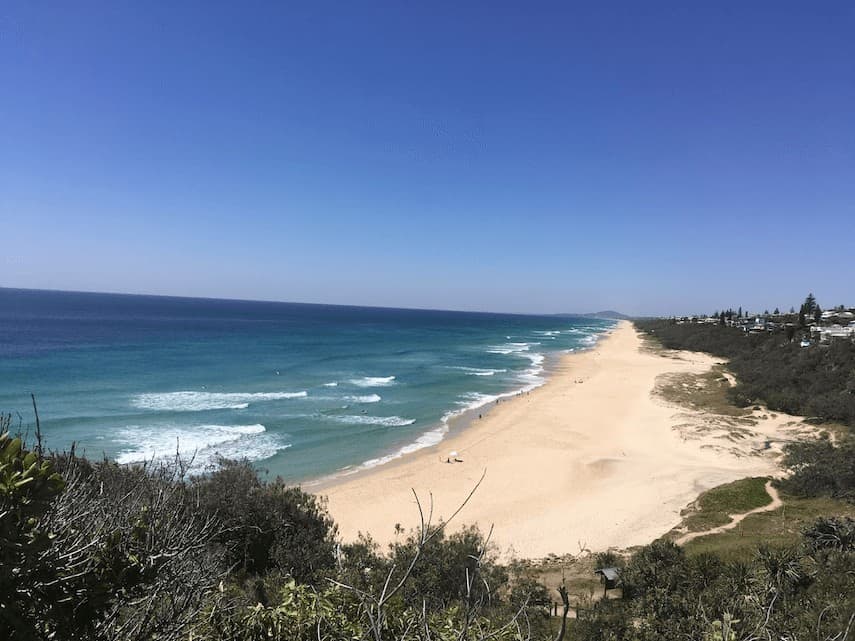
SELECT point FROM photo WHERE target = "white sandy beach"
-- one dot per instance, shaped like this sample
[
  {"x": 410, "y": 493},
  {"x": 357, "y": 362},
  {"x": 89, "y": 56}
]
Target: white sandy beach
[{"x": 591, "y": 460}]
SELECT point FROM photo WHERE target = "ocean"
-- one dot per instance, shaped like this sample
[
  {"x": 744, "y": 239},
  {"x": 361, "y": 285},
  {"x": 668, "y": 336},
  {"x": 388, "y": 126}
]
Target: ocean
[{"x": 301, "y": 390}]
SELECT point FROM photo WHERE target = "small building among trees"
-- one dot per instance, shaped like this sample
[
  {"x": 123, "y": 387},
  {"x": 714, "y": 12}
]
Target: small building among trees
[{"x": 609, "y": 577}]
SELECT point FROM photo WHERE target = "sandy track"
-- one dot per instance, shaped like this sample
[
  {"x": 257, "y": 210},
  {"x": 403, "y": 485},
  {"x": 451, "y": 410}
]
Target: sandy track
[{"x": 736, "y": 519}]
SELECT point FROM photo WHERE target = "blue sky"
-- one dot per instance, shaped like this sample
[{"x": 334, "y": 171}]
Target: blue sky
[{"x": 649, "y": 157}]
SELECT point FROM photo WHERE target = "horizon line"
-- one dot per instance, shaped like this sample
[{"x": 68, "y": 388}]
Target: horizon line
[{"x": 291, "y": 302}]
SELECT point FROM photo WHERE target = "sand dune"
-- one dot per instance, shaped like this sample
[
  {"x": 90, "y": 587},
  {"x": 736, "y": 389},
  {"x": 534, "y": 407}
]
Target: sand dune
[{"x": 593, "y": 459}]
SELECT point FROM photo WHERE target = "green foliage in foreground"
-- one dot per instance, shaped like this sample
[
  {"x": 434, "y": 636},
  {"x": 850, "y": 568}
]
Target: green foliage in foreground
[
  {"x": 267, "y": 526},
  {"x": 28, "y": 485},
  {"x": 799, "y": 592},
  {"x": 98, "y": 551},
  {"x": 94, "y": 550}
]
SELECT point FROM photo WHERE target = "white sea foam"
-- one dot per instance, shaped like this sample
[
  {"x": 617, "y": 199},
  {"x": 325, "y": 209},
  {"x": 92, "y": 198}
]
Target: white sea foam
[
  {"x": 477, "y": 371},
  {"x": 536, "y": 358},
  {"x": 427, "y": 439},
  {"x": 373, "y": 381},
  {"x": 333, "y": 384},
  {"x": 363, "y": 419},
  {"x": 197, "y": 401},
  {"x": 202, "y": 443},
  {"x": 532, "y": 377},
  {"x": 471, "y": 401},
  {"x": 509, "y": 348},
  {"x": 367, "y": 398},
  {"x": 468, "y": 402}
]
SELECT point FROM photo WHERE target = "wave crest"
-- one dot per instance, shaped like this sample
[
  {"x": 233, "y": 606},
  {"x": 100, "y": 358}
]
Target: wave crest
[
  {"x": 202, "y": 443},
  {"x": 188, "y": 401},
  {"x": 367, "y": 398},
  {"x": 373, "y": 381},
  {"x": 362, "y": 419}
]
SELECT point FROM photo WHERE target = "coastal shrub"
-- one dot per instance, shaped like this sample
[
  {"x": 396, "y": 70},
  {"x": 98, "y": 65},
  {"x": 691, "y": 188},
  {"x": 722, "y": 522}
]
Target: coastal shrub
[
  {"x": 268, "y": 525},
  {"x": 448, "y": 563},
  {"x": 530, "y": 593},
  {"x": 660, "y": 565},
  {"x": 797, "y": 592},
  {"x": 362, "y": 566},
  {"x": 303, "y": 613},
  {"x": 292, "y": 611},
  {"x": 98, "y": 551},
  {"x": 837, "y": 533},
  {"x": 606, "y": 621},
  {"x": 28, "y": 487},
  {"x": 821, "y": 468},
  {"x": 609, "y": 559}
]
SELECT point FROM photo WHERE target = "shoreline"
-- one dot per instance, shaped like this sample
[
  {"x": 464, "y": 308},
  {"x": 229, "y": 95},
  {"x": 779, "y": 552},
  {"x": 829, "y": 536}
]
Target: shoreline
[
  {"x": 590, "y": 460},
  {"x": 453, "y": 423}
]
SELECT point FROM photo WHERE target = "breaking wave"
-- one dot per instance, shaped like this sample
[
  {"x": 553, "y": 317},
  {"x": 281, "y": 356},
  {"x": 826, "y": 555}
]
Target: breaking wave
[
  {"x": 367, "y": 398},
  {"x": 477, "y": 371},
  {"x": 373, "y": 381},
  {"x": 362, "y": 419},
  {"x": 198, "y": 401},
  {"x": 202, "y": 443}
]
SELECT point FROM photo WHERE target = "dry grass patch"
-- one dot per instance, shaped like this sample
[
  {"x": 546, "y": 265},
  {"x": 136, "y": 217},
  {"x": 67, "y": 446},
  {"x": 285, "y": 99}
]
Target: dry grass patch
[{"x": 701, "y": 392}]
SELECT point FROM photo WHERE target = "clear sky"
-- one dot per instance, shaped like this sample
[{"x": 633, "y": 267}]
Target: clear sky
[{"x": 651, "y": 157}]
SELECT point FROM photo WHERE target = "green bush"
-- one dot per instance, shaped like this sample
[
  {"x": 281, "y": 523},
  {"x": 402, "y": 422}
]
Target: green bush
[
  {"x": 445, "y": 566},
  {"x": 28, "y": 487},
  {"x": 98, "y": 551},
  {"x": 821, "y": 468},
  {"x": 268, "y": 526}
]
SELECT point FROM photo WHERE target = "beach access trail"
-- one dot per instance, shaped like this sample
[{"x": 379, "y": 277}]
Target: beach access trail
[
  {"x": 593, "y": 459},
  {"x": 736, "y": 519}
]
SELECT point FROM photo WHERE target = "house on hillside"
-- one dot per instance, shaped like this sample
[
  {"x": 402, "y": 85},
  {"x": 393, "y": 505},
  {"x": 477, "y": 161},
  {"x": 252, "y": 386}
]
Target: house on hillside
[
  {"x": 758, "y": 325},
  {"x": 837, "y": 316},
  {"x": 833, "y": 333}
]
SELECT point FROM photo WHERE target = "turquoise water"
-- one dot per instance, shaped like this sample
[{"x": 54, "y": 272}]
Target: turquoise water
[{"x": 302, "y": 390}]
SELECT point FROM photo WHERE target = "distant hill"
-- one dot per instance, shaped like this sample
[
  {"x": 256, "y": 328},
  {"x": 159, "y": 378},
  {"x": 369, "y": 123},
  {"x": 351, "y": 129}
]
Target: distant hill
[{"x": 609, "y": 314}]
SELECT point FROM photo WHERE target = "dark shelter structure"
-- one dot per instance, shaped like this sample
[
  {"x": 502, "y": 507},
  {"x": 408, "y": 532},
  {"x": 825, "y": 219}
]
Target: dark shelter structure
[{"x": 609, "y": 577}]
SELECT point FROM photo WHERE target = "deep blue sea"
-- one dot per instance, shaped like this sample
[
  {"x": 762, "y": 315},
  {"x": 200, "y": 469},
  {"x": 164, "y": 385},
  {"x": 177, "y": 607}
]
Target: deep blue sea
[{"x": 302, "y": 390}]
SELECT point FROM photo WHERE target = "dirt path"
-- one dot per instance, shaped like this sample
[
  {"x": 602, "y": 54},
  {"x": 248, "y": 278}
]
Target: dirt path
[{"x": 735, "y": 519}]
